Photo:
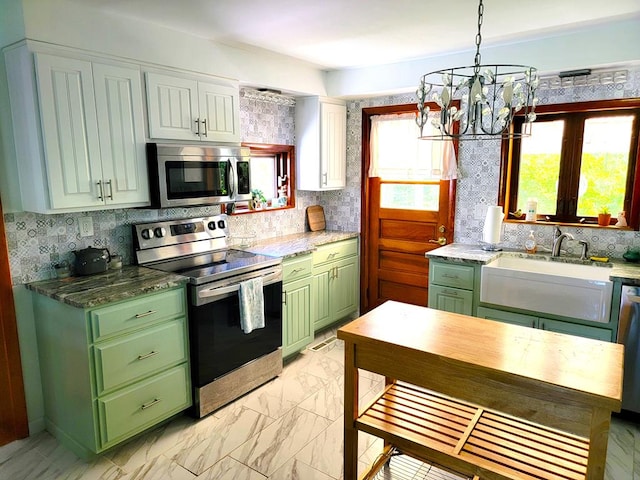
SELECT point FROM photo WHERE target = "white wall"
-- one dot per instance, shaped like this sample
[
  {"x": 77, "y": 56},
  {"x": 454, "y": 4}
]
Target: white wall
[
  {"x": 76, "y": 25},
  {"x": 616, "y": 43}
]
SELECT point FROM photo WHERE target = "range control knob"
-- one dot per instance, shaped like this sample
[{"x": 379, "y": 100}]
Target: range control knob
[
  {"x": 160, "y": 232},
  {"x": 211, "y": 225},
  {"x": 147, "y": 234},
  {"x": 221, "y": 224}
]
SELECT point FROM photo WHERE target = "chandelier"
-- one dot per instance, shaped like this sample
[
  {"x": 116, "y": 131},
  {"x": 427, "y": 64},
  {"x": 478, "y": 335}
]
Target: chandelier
[{"x": 488, "y": 97}]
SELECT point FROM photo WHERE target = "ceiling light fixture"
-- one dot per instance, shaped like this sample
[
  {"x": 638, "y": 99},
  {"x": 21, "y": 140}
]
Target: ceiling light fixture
[{"x": 490, "y": 96}]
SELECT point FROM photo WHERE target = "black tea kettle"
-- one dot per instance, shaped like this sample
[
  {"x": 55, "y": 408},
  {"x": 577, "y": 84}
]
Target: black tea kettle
[{"x": 91, "y": 260}]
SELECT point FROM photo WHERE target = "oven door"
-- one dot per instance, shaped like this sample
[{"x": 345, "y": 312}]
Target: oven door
[{"x": 218, "y": 343}]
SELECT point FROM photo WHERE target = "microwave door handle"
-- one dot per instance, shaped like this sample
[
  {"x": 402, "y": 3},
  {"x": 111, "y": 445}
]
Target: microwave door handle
[{"x": 232, "y": 181}]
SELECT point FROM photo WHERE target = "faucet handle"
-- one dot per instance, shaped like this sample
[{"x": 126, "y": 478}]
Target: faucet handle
[{"x": 585, "y": 247}]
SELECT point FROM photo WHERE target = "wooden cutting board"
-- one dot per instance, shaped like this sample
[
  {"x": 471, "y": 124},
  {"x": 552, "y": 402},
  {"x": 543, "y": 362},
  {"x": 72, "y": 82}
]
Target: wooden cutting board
[{"x": 315, "y": 217}]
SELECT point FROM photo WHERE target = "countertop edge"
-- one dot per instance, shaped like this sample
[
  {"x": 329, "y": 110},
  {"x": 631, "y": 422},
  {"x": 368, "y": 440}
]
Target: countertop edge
[{"x": 621, "y": 271}]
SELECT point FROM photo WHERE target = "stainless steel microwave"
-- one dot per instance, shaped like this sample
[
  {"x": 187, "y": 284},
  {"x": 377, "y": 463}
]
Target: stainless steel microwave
[{"x": 190, "y": 175}]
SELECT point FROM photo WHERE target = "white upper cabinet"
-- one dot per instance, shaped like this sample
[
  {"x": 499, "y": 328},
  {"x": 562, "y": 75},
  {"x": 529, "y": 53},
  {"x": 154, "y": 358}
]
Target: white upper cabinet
[
  {"x": 321, "y": 143},
  {"x": 89, "y": 119},
  {"x": 182, "y": 108}
]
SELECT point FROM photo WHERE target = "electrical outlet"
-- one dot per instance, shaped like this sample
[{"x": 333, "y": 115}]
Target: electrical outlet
[{"x": 86, "y": 226}]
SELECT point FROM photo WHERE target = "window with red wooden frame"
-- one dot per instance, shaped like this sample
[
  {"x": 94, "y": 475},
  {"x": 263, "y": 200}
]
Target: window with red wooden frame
[{"x": 580, "y": 159}]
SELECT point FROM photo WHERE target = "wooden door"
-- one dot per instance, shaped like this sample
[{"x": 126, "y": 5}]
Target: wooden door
[
  {"x": 395, "y": 240},
  {"x": 13, "y": 409}
]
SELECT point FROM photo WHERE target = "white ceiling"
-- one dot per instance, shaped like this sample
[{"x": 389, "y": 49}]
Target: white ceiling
[{"x": 337, "y": 34}]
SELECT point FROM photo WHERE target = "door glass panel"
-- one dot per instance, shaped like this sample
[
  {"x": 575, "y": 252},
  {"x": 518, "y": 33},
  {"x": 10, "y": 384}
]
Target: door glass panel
[
  {"x": 605, "y": 161},
  {"x": 410, "y": 196},
  {"x": 540, "y": 166}
]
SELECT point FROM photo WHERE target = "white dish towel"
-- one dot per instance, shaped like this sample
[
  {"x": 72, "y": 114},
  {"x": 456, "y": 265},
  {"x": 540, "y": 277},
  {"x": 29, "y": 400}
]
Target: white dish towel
[{"x": 251, "y": 305}]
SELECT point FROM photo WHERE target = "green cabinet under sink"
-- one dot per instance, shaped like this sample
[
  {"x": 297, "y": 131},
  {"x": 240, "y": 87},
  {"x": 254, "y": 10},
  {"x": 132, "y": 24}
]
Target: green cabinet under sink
[{"x": 455, "y": 287}]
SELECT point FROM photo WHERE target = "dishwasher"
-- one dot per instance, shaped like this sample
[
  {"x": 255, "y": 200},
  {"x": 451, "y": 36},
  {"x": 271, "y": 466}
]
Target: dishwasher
[{"x": 629, "y": 336}]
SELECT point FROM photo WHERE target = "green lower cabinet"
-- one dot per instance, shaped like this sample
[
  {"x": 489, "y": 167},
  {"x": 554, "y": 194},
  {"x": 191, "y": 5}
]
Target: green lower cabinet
[
  {"x": 297, "y": 317},
  {"x": 551, "y": 325},
  {"x": 450, "y": 299},
  {"x": 111, "y": 372},
  {"x": 335, "y": 291}
]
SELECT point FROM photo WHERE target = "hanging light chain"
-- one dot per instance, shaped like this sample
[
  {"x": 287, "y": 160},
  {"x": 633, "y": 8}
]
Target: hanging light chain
[{"x": 478, "y": 38}]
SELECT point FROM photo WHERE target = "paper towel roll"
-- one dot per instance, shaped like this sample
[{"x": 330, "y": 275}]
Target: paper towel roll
[{"x": 493, "y": 225}]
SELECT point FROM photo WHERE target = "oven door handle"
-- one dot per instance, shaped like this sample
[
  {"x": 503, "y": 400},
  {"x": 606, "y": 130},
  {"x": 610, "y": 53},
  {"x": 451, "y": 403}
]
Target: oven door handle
[{"x": 267, "y": 279}]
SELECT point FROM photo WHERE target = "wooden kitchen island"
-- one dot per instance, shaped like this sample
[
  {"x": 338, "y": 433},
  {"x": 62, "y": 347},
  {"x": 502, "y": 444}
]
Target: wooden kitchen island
[{"x": 488, "y": 400}]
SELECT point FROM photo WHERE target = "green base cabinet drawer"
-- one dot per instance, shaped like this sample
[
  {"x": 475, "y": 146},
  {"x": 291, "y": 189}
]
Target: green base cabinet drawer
[
  {"x": 131, "y": 410},
  {"x": 125, "y": 359},
  {"x": 451, "y": 299},
  {"x": 335, "y": 251},
  {"x": 507, "y": 317},
  {"x": 296, "y": 268},
  {"x": 576, "y": 329},
  {"x": 137, "y": 313},
  {"x": 450, "y": 275}
]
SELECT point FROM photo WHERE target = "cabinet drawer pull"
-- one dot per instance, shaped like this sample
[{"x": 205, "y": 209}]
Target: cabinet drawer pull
[
  {"x": 450, "y": 292},
  {"x": 150, "y": 404},
  {"x": 297, "y": 270},
  {"x": 448, "y": 275},
  {"x": 147, "y": 355},
  {"x": 145, "y": 314},
  {"x": 331, "y": 255}
]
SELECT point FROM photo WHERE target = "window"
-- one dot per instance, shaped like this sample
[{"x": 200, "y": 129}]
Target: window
[
  {"x": 273, "y": 175},
  {"x": 579, "y": 159},
  {"x": 409, "y": 169}
]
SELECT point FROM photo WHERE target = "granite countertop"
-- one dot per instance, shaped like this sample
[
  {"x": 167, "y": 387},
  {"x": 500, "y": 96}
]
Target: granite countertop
[
  {"x": 297, "y": 243},
  {"x": 112, "y": 286},
  {"x": 627, "y": 273}
]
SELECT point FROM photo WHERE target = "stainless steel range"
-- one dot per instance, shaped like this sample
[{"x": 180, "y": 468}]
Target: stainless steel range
[{"x": 226, "y": 362}]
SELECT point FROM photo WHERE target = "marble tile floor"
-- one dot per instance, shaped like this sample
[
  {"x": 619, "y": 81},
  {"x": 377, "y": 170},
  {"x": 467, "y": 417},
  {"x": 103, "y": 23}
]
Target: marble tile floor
[{"x": 288, "y": 429}]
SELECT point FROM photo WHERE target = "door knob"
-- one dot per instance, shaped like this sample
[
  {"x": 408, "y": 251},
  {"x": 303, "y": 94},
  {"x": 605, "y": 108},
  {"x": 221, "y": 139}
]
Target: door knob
[{"x": 439, "y": 241}]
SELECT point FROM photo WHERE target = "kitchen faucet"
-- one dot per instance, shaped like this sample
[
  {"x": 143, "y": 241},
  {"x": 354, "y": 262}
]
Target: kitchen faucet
[{"x": 558, "y": 237}]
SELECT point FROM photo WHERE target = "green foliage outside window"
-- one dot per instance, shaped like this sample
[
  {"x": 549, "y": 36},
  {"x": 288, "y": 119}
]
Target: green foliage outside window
[{"x": 602, "y": 182}]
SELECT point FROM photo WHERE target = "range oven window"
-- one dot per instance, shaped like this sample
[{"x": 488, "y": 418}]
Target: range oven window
[{"x": 188, "y": 179}]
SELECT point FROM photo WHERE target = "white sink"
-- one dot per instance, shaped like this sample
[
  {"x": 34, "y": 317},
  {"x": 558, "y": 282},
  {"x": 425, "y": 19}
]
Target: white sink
[{"x": 570, "y": 290}]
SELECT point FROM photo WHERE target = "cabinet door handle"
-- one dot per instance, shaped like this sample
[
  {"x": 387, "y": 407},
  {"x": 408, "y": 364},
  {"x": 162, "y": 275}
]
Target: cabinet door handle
[
  {"x": 197, "y": 122},
  {"x": 110, "y": 196},
  {"x": 147, "y": 355},
  {"x": 324, "y": 179},
  {"x": 204, "y": 123},
  {"x": 145, "y": 314},
  {"x": 101, "y": 194},
  {"x": 284, "y": 297},
  {"x": 155, "y": 401}
]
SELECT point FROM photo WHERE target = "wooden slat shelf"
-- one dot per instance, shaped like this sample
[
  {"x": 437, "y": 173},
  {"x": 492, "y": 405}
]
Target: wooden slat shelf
[{"x": 509, "y": 447}]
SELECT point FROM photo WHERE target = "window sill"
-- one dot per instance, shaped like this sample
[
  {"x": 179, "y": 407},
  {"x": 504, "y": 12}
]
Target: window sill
[
  {"x": 567, "y": 224},
  {"x": 245, "y": 211}
]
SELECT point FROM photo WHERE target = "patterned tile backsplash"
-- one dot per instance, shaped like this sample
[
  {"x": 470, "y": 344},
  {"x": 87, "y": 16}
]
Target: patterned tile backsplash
[{"x": 37, "y": 241}]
